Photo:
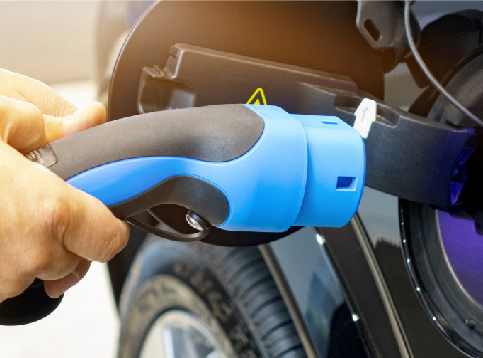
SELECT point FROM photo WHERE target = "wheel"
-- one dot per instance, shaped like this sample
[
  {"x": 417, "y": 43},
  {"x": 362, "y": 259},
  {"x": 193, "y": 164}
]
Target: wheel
[{"x": 198, "y": 300}]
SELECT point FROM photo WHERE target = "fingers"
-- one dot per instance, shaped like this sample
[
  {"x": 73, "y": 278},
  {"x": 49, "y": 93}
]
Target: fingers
[
  {"x": 23, "y": 102},
  {"x": 40, "y": 260},
  {"x": 48, "y": 226},
  {"x": 54, "y": 288},
  {"x": 21, "y": 124},
  {"x": 25, "y": 88},
  {"x": 86, "y": 117},
  {"x": 87, "y": 227}
]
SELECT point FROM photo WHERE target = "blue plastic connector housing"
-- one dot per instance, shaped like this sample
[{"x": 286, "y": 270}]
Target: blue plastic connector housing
[
  {"x": 303, "y": 171},
  {"x": 335, "y": 169},
  {"x": 335, "y": 173}
]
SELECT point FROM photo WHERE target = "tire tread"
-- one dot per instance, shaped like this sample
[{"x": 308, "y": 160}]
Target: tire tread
[
  {"x": 242, "y": 278},
  {"x": 250, "y": 282}
]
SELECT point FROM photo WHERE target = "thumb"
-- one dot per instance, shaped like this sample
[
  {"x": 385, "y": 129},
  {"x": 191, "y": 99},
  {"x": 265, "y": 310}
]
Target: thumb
[{"x": 83, "y": 118}]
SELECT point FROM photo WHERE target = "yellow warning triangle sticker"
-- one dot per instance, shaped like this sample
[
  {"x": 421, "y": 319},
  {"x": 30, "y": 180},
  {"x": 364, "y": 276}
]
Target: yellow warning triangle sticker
[{"x": 258, "y": 97}]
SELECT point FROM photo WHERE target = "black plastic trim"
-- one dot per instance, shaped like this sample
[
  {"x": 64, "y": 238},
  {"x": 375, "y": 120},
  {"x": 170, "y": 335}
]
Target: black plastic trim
[{"x": 190, "y": 192}]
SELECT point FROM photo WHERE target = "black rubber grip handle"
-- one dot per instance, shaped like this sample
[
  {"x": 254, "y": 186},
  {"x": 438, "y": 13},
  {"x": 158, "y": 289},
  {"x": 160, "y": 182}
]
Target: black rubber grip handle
[{"x": 211, "y": 133}]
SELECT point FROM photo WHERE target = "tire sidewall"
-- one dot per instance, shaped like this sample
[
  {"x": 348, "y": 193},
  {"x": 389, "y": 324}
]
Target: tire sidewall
[{"x": 169, "y": 275}]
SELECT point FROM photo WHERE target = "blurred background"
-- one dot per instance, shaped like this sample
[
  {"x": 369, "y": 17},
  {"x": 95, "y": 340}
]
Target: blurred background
[
  {"x": 55, "y": 42},
  {"x": 52, "y": 41}
]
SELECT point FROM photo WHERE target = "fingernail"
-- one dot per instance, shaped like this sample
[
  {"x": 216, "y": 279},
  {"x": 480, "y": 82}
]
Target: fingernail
[
  {"x": 54, "y": 289},
  {"x": 58, "y": 287}
]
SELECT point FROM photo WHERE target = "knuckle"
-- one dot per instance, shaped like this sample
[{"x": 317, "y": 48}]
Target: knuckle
[
  {"x": 115, "y": 243},
  {"x": 57, "y": 217},
  {"x": 38, "y": 263},
  {"x": 21, "y": 116},
  {"x": 12, "y": 289},
  {"x": 15, "y": 291}
]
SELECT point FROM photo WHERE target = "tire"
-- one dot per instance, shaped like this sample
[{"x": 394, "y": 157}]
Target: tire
[{"x": 230, "y": 290}]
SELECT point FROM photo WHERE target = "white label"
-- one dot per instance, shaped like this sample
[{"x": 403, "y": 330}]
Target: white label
[{"x": 365, "y": 116}]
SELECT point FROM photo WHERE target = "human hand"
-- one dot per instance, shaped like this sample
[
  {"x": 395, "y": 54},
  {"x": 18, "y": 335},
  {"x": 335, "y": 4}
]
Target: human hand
[{"x": 50, "y": 230}]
